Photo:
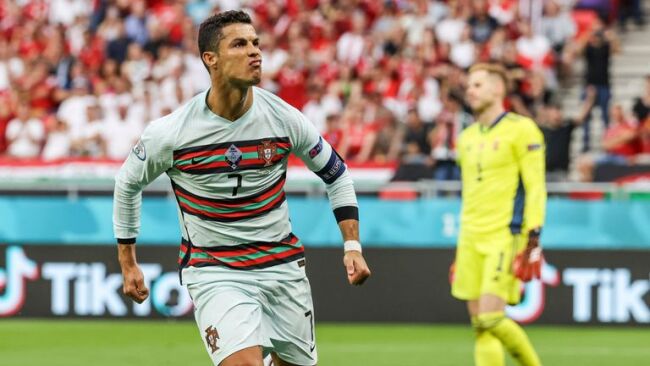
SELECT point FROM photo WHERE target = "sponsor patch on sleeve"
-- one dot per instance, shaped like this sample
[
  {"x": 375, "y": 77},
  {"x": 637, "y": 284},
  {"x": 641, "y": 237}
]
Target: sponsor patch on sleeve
[
  {"x": 533, "y": 147},
  {"x": 316, "y": 149},
  {"x": 139, "y": 150}
]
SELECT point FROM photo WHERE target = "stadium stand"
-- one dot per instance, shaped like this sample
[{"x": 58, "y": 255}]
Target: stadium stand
[{"x": 383, "y": 80}]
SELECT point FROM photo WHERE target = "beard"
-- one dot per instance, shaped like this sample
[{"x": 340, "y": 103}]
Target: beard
[{"x": 481, "y": 107}]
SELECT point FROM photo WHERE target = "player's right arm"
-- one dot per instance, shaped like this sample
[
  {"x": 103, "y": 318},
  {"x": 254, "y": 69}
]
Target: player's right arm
[
  {"x": 322, "y": 159},
  {"x": 151, "y": 157}
]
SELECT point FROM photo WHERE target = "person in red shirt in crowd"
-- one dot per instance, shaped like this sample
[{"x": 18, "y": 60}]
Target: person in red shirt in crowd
[
  {"x": 292, "y": 83},
  {"x": 334, "y": 133},
  {"x": 621, "y": 143},
  {"x": 360, "y": 136},
  {"x": 6, "y": 115}
]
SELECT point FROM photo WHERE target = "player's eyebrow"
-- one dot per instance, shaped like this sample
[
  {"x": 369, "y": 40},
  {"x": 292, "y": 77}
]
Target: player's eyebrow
[{"x": 239, "y": 40}]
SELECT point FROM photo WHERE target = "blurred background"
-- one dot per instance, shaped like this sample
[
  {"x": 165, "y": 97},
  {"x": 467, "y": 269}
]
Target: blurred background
[{"x": 384, "y": 82}]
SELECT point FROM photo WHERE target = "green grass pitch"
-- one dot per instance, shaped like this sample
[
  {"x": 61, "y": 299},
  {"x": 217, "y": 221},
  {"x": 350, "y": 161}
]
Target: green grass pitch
[{"x": 161, "y": 343}]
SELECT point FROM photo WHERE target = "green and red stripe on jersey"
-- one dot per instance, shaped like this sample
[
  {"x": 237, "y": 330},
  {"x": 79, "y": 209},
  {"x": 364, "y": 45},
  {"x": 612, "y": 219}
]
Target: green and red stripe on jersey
[
  {"x": 234, "y": 209},
  {"x": 247, "y": 256},
  {"x": 208, "y": 159}
]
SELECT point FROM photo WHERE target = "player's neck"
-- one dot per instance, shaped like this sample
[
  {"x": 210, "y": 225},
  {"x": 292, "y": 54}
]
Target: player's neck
[
  {"x": 490, "y": 114},
  {"x": 228, "y": 102}
]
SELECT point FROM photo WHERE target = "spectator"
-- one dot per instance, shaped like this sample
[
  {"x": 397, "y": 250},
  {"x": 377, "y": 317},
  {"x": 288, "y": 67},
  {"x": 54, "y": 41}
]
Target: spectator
[
  {"x": 11, "y": 67},
  {"x": 450, "y": 29},
  {"x": 352, "y": 44},
  {"x": 59, "y": 141},
  {"x": 91, "y": 142},
  {"x": 463, "y": 52},
  {"x": 533, "y": 50},
  {"x": 557, "y": 26},
  {"x": 630, "y": 9},
  {"x": 642, "y": 104},
  {"x": 319, "y": 106},
  {"x": 6, "y": 115},
  {"x": 481, "y": 23},
  {"x": 620, "y": 144},
  {"x": 25, "y": 134},
  {"x": 334, "y": 133},
  {"x": 451, "y": 121},
  {"x": 558, "y": 132},
  {"x": 416, "y": 141},
  {"x": 135, "y": 24},
  {"x": 389, "y": 138},
  {"x": 121, "y": 130},
  {"x": 360, "y": 136},
  {"x": 598, "y": 48},
  {"x": 71, "y": 111}
]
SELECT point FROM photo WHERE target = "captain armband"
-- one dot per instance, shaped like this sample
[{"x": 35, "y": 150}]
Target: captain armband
[{"x": 333, "y": 169}]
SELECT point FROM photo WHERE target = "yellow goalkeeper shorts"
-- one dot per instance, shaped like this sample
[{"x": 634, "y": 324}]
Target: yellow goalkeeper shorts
[{"x": 484, "y": 266}]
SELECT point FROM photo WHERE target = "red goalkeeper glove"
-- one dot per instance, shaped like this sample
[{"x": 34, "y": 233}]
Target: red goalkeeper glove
[{"x": 528, "y": 264}]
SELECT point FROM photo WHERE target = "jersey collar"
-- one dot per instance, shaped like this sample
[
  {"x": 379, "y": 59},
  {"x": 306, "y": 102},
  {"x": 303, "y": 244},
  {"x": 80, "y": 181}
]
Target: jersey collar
[{"x": 494, "y": 123}]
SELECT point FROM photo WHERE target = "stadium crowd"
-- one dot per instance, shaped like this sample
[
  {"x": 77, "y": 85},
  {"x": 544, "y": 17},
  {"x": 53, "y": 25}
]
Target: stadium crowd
[{"x": 383, "y": 80}]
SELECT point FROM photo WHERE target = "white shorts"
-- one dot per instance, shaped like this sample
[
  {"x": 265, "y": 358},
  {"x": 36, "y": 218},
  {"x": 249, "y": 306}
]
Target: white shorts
[{"x": 277, "y": 315}]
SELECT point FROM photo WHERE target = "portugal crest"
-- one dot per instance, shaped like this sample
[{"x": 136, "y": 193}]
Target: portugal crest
[
  {"x": 233, "y": 155},
  {"x": 266, "y": 151},
  {"x": 211, "y": 337}
]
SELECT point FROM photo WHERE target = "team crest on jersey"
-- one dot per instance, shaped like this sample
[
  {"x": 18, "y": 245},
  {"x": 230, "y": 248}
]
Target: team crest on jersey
[
  {"x": 139, "y": 150},
  {"x": 266, "y": 151},
  {"x": 211, "y": 337},
  {"x": 233, "y": 155}
]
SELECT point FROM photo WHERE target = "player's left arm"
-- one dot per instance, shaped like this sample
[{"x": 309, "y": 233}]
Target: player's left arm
[
  {"x": 530, "y": 153},
  {"x": 322, "y": 159}
]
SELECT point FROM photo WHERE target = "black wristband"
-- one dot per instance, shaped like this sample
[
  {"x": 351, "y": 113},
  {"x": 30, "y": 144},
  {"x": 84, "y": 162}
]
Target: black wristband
[
  {"x": 126, "y": 241},
  {"x": 346, "y": 213}
]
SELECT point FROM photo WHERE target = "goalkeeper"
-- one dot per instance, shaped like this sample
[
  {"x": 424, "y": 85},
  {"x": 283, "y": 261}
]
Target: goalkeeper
[{"x": 501, "y": 157}]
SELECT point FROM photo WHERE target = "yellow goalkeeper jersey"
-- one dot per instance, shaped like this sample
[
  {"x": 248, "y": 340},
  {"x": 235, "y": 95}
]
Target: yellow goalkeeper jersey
[{"x": 503, "y": 175}]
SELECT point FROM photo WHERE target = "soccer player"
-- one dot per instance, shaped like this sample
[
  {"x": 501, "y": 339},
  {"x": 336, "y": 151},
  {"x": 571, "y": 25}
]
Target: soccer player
[
  {"x": 501, "y": 157},
  {"x": 225, "y": 152}
]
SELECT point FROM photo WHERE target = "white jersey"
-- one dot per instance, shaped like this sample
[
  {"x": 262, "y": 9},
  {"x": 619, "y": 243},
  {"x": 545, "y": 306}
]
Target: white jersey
[{"x": 228, "y": 178}]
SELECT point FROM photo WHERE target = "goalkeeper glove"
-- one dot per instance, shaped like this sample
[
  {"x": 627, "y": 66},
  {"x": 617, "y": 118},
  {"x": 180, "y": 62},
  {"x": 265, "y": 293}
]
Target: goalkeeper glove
[{"x": 528, "y": 264}]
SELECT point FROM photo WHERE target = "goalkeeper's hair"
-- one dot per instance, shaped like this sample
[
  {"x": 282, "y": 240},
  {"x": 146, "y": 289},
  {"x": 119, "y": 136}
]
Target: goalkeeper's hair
[
  {"x": 495, "y": 70},
  {"x": 210, "y": 31}
]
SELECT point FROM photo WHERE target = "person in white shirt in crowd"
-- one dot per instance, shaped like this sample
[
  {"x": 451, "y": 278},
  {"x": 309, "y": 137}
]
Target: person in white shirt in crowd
[
  {"x": 122, "y": 129},
  {"x": 59, "y": 141},
  {"x": 463, "y": 52},
  {"x": 71, "y": 111},
  {"x": 92, "y": 143},
  {"x": 24, "y": 134},
  {"x": 450, "y": 29},
  {"x": 351, "y": 45},
  {"x": 11, "y": 67},
  {"x": 137, "y": 67},
  {"x": 274, "y": 56},
  {"x": 65, "y": 11},
  {"x": 320, "y": 105}
]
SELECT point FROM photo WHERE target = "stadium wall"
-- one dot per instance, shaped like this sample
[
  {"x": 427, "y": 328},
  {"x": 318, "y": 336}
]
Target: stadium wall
[{"x": 52, "y": 266}]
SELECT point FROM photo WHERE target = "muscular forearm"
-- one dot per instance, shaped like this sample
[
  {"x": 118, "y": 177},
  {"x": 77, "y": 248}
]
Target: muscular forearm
[
  {"x": 126, "y": 254},
  {"x": 349, "y": 229}
]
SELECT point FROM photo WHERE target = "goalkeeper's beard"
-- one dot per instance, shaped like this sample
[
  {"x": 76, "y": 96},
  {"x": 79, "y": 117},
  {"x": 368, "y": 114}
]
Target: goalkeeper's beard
[{"x": 481, "y": 108}]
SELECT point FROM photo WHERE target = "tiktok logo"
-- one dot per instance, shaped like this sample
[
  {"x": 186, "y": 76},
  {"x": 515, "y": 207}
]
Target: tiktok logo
[
  {"x": 13, "y": 280},
  {"x": 534, "y": 297}
]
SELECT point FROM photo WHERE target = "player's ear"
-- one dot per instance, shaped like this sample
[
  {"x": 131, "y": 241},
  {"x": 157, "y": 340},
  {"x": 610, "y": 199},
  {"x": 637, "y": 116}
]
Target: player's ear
[{"x": 210, "y": 59}]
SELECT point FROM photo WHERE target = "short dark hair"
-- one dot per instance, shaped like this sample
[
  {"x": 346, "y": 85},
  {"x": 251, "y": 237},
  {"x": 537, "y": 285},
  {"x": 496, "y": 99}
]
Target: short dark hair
[{"x": 210, "y": 31}]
